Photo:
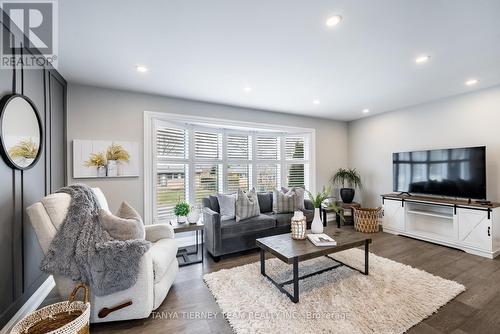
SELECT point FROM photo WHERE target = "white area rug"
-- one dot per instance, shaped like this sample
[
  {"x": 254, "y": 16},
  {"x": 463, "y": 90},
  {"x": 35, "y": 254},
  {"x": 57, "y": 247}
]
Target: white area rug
[{"x": 392, "y": 299}]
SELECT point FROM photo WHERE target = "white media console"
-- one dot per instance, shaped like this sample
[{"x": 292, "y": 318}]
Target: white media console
[{"x": 461, "y": 224}]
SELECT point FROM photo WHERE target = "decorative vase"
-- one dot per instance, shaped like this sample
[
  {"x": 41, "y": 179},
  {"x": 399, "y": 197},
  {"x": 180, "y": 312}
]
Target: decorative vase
[
  {"x": 347, "y": 195},
  {"x": 298, "y": 226},
  {"x": 101, "y": 171},
  {"x": 181, "y": 219},
  {"x": 317, "y": 224},
  {"x": 112, "y": 168},
  {"x": 193, "y": 216}
]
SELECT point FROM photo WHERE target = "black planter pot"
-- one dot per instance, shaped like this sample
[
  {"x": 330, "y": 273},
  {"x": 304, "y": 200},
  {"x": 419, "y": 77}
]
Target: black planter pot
[{"x": 347, "y": 195}]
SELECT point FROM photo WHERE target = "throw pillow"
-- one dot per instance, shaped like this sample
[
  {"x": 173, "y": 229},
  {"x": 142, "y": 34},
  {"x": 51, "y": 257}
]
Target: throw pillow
[
  {"x": 227, "y": 205},
  {"x": 125, "y": 225},
  {"x": 300, "y": 196},
  {"x": 284, "y": 203},
  {"x": 247, "y": 205}
]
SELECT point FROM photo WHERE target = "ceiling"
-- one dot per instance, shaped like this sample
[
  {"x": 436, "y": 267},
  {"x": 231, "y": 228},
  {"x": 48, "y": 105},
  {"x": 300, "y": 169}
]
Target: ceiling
[{"x": 283, "y": 50}]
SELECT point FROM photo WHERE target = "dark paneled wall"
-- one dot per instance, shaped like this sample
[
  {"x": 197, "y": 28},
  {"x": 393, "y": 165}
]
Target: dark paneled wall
[{"x": 20, "y": 253}]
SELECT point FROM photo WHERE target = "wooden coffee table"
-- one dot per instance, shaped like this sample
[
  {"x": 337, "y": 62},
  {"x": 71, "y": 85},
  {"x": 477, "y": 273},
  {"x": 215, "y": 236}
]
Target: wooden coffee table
[{"x": 293, "y": 251}]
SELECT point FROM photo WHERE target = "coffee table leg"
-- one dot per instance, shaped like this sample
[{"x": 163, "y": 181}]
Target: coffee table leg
[
  {"x": 295, "y": 280},
  {"x": 366, "y": 256},
  {"x": 262, "y": 262}
]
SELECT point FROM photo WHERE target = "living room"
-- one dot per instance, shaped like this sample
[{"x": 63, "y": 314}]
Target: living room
[{"x": 260, "y": 167}]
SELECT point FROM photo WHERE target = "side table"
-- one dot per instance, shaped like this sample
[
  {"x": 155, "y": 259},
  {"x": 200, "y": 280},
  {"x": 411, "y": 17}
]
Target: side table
[
  {"x": 348, "y": 212},
  {"x": 185, "y": 256}
]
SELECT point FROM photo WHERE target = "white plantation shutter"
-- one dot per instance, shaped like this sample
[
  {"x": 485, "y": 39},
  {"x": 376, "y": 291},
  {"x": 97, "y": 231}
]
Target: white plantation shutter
[
  {"x": 268, "y": 148},
  {"x": 267, "y": 177},
  {"x": 171, "y": 181},
  {"x": 238, "y": 177},
  {"x": 206, "y": 181},
  {"x": 294, "y": 147},
  {"x": 192, "y": 161},
  {"x": 207, "y": 145},
  {"x": 238, "y": 147}
]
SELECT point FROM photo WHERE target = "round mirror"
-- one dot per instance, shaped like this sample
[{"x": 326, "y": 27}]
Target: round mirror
[{"x": 20, "y": 132}]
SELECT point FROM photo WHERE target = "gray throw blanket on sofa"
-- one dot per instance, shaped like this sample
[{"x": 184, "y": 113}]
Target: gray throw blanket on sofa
[{"x": 84, "y": 251}]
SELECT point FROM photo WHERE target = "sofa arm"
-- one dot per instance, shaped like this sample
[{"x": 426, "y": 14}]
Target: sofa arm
[
  {"x": 156, "y": 232},
  {"x": 308, "y": 205},
  {"x": 213, "y": 242}
]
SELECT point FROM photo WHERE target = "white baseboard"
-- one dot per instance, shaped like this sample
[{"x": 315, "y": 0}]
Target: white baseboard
[{"x": 31, "y": 305}]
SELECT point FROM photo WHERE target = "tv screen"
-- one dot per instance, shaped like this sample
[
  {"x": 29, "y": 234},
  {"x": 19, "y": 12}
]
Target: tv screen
[{"x": 456, "y": 172}]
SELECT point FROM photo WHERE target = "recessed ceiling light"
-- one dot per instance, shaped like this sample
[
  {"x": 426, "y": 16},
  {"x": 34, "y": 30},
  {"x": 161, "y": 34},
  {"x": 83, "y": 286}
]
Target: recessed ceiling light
[
  {"x": 316, "y": 101},
  {"x": 141, "y": 68},
  {"x": 471, "y": 82},
  {"x": 366, "y": 111},
  {"x": 247, "y": 89},
  {"x": 422, "y": 59},
  {"x": 333, "y": 21}
]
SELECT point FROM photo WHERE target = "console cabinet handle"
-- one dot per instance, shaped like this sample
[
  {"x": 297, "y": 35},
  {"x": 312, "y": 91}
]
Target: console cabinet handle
[{"x": 489, "y": 231}]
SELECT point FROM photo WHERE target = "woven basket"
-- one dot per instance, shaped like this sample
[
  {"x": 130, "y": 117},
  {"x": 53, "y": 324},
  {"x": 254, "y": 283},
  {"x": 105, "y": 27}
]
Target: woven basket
[
  {"x": 70, "y": 317},
  {"x": 366, "y": 220}
]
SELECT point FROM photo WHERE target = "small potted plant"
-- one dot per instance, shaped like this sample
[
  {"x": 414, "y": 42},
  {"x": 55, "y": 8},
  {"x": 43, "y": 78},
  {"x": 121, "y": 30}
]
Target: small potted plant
[
  {"x": 350, "y": 178},
  {"x": 181, "y": 210},
  {"x": 116, "y": 155},
  {"x": 97, "y": 160},
  {"x": 317, "y": 200},
  {"x": 338, "y": 210}
]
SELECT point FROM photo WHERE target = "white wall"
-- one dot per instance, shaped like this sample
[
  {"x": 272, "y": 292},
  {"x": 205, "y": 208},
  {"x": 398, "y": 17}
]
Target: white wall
[
  {"x": 468, "y": 120},
  {"x": 101, "y": 113}
]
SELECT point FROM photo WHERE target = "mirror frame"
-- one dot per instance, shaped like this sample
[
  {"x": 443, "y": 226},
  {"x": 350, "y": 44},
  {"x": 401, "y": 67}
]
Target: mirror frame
[{"x": 4, "y": 102}]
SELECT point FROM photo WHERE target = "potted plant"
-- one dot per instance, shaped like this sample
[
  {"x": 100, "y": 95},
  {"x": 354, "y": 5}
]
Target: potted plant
[
  {"x": 97, "y": 160},
  {"x": 338, "y": 210},
  {"x": 317, "y": 200},
  {"x": 350, "y": 178},
  {"x": 181, "y": 210},
  {"x": 116, "y": 155}
]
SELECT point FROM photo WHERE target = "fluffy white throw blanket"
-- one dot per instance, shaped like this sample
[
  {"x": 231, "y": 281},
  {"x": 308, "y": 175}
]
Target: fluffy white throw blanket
[{"x": 83, "y": 251}]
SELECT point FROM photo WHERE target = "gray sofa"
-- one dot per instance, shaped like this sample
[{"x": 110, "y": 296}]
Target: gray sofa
[{"x": 229, "y": 236}]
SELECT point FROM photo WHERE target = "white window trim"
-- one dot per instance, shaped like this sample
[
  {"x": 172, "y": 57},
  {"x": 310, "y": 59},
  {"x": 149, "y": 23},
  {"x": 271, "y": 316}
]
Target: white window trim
[{"x": 149, "y": 149}]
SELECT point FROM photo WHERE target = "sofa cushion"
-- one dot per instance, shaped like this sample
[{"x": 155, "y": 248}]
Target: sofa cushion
[
  {"x": 265, "y": 201},
  {"x": 214, "y": 203},
  {"x": 163, "y": 252},
  {"x": 227, "y": 205},
  {"x": 101, "y": 199},
  {"x": 282, "y": 219},
  {"x": 231, "y": 228},
  {"x": 126, "y": 225},
  {"x": 247, "y": 205},
  {"x": 300, "y": 192},
  {"x": 284, "y": 203}
]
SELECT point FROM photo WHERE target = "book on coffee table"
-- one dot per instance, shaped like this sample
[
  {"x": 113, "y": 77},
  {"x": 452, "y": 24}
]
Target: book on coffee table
[{"x": 321, "y": 239}]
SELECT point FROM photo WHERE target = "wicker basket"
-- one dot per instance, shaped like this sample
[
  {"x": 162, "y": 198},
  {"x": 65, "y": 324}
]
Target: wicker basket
[
  {"x": 70, "y": 317},
  {"x": 366, "y": 220}
]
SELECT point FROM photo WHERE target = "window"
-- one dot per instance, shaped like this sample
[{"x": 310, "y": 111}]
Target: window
[{"x": 191, "y": 160}]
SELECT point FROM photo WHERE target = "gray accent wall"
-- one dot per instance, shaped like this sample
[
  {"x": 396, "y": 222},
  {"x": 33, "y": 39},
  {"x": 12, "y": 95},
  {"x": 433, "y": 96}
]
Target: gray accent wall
[
  {"x": 471, "y": 119},
  {"x": 101, "y": 113}
]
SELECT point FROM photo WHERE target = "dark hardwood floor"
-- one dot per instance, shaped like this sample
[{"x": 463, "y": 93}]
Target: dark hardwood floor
[{"x": 477, "y": 310}]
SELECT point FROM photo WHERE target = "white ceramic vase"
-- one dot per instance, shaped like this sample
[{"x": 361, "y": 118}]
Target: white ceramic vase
[
  {"x": 112, "y": 168},
  {"x": 317, "y": 224},
  {"x": 181, "y": 219},
  {"x": 193, "y": 216}
]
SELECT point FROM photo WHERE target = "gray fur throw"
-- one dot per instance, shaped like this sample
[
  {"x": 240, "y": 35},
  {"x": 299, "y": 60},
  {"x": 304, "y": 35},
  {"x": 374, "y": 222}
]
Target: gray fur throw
[{"x": 84, "y": 251}]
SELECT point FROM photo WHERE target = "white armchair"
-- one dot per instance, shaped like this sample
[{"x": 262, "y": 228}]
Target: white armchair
[{"x": 158, "y": 266}]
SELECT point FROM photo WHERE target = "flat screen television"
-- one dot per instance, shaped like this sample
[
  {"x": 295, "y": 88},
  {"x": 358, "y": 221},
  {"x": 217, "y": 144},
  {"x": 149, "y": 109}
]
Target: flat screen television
[{"x": 455, "y": 172}]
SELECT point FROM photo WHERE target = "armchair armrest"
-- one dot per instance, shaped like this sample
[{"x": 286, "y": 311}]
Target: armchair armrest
[
  {"x": 211, "y": 220},
  {"x": 308, "y": 205},
  {"x": 159, "y": 231}
]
